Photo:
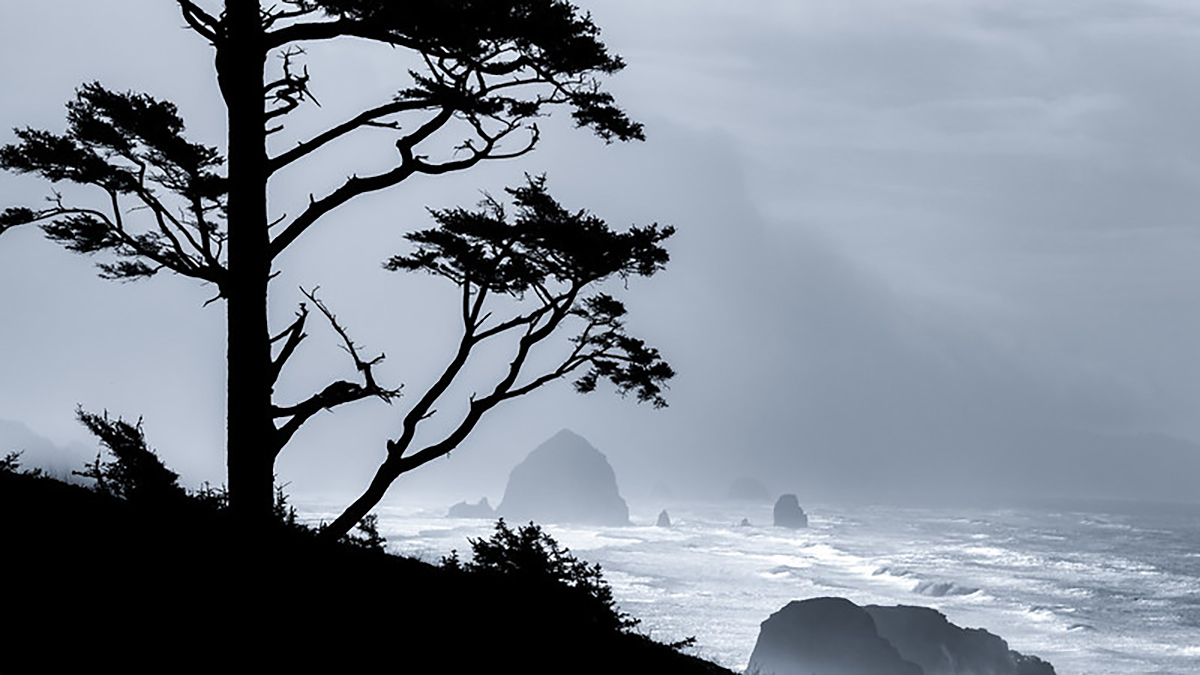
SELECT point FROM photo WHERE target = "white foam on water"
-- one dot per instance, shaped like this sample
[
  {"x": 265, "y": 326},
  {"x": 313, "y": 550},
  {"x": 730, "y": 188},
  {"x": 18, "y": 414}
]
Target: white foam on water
[{"x": 1076, "y": 589}]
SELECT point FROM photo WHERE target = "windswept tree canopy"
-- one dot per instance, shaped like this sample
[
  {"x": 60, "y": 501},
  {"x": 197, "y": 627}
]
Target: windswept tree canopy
[
  {"x": 132, "y": 147},
  {"x": 551, "y": 254},
  {"x": 478, "y": 52},
  {"x": 490, "y": 70}
]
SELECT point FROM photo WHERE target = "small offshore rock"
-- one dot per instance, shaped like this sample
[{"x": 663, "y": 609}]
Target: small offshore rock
[
  {"x": 464, "y": 510},
  {"x": 789, "y": 514}
]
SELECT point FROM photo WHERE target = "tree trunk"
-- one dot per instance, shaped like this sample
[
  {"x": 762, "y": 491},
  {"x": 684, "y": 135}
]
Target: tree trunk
[
  {"x": 240, "y": 64},
  {"x": 384, "y": 477}
]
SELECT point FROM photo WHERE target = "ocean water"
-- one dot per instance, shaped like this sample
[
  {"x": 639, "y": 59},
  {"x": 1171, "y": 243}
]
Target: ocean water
[{"x": 1095, "y": 591}]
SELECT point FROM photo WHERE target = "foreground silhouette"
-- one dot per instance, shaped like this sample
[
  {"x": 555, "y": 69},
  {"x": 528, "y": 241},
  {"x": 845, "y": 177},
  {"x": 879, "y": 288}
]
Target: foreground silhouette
[{"x": 146, "y": 585}]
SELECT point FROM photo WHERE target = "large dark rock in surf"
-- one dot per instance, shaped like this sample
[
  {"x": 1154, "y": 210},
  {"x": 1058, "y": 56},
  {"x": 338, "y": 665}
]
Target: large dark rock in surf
[
  {"x": 824, "y": 636},
  {"x": 748, "y": 489},
  {"x": 464, "y": 510},
  {"x": 789, "y": 514},
  {"x": 926, "y": 637},
  {"x": 664, "y": 519},
  {"x": 564, "y": 480},
  {"x": 833, "y": 636}
]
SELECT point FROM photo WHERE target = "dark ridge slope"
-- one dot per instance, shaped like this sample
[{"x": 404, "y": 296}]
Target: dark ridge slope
[{"x": 93, "y": 583}]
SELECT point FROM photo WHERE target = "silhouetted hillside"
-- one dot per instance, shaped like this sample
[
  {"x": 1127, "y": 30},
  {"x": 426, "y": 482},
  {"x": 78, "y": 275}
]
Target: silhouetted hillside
[{"x": 93, "y": 582}]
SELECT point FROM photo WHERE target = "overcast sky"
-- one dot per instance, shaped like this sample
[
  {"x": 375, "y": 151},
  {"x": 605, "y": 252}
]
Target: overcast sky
[{"x": 919, "y": 240}]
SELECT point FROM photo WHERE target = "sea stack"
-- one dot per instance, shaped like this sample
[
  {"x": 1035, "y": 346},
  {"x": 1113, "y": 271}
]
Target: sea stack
[
  {"x": 926, "y": 637},
  {"x": 833, "y": 636},
  {"x": 825, "y": 636},
  {"x": 465, "y": 510},
  {"x": 789, "y": 514},
  {"x": 664, "y": 520},
  {"x": 564, "y": 480}
]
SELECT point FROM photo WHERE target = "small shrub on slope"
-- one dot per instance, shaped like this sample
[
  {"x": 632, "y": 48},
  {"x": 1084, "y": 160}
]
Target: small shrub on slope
[
  {"x": 530, "y": 555},
  {"x": 136, "y": 473}
]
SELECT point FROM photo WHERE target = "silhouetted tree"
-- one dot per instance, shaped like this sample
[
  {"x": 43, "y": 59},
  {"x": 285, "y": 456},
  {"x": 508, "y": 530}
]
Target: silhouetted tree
[{"x": 482, "y": 72}]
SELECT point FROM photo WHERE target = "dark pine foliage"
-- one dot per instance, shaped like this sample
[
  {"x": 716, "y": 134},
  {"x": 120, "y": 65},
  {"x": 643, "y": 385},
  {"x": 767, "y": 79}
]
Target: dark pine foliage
[
  {"x": 132, "y": 147},
  {"x": 531, "y": 556},
  {"x": 551, "y": 254},
  {"x": 548, "y": 37},
  {"x": 134, "y": 472}
]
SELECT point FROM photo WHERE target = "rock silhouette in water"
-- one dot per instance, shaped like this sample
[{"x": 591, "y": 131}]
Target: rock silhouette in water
[
  {"x": 749, "y": 489},
  {"x": 825, "y": 636},
  {"x": 745, "y": 522},
  {"x": 833, "y": 636},
  {"x": 926, "y": 637},
  {"x": 464, "y": 510},
  {"x": 564, "y": 480},
  {"x": 789, "y": 514},
  {"x": 664, "y": 520}
]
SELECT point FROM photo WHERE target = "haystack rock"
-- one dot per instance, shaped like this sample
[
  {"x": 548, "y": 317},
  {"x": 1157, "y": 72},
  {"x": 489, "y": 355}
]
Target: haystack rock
[
  {"x": 789, "y": 514},
  {"x": 464, "y": 510},
  {"x": 833, "y": 636},
  {"x": 664, "y": 520},
  {"x": 825, "y": 636},
  {"x": 564, "y": 480}
]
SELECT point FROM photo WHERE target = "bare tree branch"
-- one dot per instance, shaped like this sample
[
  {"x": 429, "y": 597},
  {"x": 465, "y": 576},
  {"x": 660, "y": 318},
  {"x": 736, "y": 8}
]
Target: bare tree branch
[
  {"x": 294, "y": 333},
  {"x": 291, "y": 89},
  {"x": 331, "y": 30},
  {"x": 273, "y": 16},
  {"x": 355, "y": 186},
  {"x": 360, "y": 365},
  {"x": 200, "y": 21},
  {"x": 363, "y": 119},
  {"x": 336, "y": 394}
]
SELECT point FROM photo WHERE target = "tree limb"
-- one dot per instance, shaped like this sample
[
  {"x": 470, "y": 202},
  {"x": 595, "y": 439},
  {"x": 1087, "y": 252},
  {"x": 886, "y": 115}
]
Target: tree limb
[
  {"x": 360, "y": 365},
  {"x": 134, "y": 246},
  {"x": 291, "y": 89},
  {"x": 272, "y": 16},
  {"x": 355, "y": 186},
  {"x": 200, "y": 21},
  {"x": 294, "y": 333},
  {"x": 330, "y": 30},
  {"x": 365, "y": 118},
  {"x": 333, "y": 395}
]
